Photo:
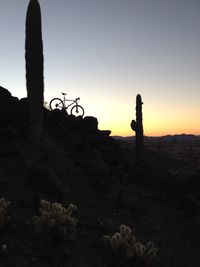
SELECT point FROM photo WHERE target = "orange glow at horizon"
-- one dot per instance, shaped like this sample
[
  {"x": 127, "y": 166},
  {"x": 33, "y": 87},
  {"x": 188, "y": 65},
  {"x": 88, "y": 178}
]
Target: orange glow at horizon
[{"x": 157, "y": 120}]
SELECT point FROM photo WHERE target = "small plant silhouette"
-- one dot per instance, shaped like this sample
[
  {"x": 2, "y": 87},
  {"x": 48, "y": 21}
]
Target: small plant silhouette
[{"x": 4, "y": 218}]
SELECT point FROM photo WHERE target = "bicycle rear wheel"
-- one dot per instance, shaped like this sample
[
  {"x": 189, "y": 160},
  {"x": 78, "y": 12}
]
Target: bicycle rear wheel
[
  {"x": 56, "y": 103},
  {"x": 77, "y": 111}
]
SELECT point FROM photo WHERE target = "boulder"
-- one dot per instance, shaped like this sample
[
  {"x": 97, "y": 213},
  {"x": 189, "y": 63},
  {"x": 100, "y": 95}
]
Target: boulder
[
  {"x": 90, "y": 124},
  {"x": 4, "y": 94}
]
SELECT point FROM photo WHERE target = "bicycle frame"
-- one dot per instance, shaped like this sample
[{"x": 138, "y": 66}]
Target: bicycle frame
[
  {"x": 73, "y": 101},
  {"x": 58, "y": 103}
]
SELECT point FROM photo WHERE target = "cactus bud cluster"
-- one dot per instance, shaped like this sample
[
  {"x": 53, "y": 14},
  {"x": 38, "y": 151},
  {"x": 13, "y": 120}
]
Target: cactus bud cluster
[
  {"x": 124, "y": 242},
  {"x": 58, "y": 216},
  {"x": 4, "y": 218}
]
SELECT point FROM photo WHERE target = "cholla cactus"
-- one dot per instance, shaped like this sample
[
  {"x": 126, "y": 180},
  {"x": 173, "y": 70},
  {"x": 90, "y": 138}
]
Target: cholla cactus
[
  {"x": 55, "y": 215},
  {"x": 124, "y": 244},
  {"x": 4, "y": 218}
]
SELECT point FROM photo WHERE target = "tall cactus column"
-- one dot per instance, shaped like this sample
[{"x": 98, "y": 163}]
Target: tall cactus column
[
  {"x": 34, "y": 70},
  {"x": 137, "y": 126}
]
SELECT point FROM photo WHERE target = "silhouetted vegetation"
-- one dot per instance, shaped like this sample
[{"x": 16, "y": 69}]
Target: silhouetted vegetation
[
  {"x": 137, "y": 126},
  {"x": 34, "y": 70},
  {"x": 80, "y": 164}
]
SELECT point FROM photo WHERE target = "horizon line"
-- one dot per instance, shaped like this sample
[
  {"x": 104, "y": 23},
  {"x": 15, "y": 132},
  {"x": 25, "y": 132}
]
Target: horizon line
[{"x": 198, "y": 135}]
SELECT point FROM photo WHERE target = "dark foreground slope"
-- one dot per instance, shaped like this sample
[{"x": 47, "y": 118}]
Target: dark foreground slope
[{"x": 79, "y": 164}]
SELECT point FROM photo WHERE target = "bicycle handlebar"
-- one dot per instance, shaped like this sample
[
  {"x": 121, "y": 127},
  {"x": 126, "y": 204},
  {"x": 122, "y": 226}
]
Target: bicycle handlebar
[{"x": 78, "y": 98}]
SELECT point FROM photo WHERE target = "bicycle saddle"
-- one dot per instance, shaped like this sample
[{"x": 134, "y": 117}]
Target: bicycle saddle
[{"x": 64, "y": 94}]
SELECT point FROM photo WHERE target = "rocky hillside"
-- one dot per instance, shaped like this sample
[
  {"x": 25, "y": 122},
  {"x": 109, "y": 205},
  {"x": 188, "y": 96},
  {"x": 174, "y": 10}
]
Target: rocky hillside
[{"x": 77, "y": 163}]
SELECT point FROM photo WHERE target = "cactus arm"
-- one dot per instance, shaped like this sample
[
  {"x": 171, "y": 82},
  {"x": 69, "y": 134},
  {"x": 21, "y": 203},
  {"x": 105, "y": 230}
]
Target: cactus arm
[{"x": 134, "y": 125}]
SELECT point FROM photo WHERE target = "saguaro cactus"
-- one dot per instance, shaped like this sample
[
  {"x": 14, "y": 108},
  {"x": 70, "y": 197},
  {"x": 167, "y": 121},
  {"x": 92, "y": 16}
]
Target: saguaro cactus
[
  {"x": 137, "y": 126},
  {"x": 34, "y": 70}
]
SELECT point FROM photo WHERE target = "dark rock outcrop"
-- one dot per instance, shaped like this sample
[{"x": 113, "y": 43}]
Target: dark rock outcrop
[
  {"x": 72, "y": 145},
  {"x": 14, "y": 119}
]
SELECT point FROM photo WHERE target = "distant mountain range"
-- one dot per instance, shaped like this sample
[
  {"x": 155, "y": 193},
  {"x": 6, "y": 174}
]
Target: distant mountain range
[{"x": 176, "y": 137}]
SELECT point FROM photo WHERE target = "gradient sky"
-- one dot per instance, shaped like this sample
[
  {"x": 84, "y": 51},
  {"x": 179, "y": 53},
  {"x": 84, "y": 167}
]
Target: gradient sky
[{"x": 108, "y": 51}]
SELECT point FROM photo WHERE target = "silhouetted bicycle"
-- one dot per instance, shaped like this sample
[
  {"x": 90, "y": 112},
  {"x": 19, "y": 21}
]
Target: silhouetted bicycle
[{"x": 57, "y": 103}]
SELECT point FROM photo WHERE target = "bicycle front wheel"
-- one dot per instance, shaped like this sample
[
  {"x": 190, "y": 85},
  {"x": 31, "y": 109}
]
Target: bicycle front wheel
[
  {"x": 77, "y": 111},
  {"x": 56, "y": 103}
]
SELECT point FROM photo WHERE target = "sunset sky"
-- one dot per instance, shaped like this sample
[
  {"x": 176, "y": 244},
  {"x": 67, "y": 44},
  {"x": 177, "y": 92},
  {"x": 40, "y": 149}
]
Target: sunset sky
[{"x": 108, "y": 51}]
